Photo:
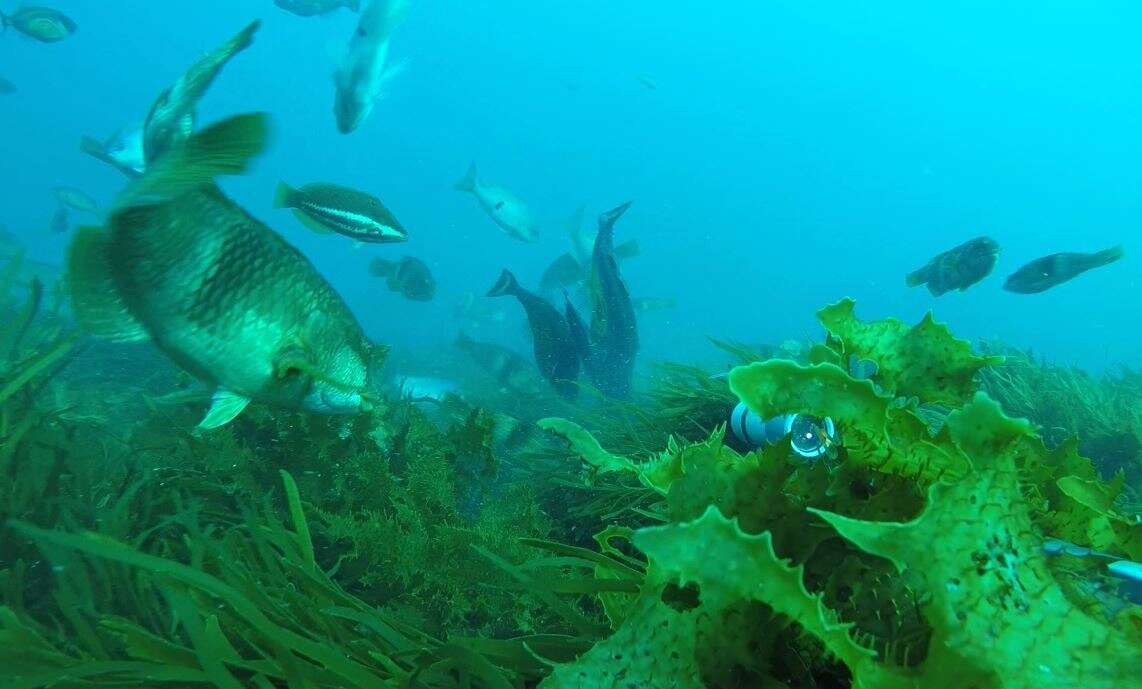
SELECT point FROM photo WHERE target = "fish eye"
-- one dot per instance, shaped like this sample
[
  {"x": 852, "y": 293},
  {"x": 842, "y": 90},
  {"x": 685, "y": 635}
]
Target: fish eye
[{"x": 499, "y": 205}]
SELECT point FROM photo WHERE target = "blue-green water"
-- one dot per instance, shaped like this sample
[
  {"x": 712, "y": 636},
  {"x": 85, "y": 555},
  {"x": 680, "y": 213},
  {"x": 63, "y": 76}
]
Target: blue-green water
[{"x": 789, "y": 154}]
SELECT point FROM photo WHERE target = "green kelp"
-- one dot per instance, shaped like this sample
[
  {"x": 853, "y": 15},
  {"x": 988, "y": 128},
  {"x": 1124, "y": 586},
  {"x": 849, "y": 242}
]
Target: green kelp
[
  {"x": 1000, "y": 617},
  {"x": 940, "y": 578}
]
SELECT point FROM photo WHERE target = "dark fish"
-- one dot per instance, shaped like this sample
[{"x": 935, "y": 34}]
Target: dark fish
[
  {"x": 562, "y": 272},
  {"x": 332, "y": 208},
  {"x": 555, "y": 351},
  {"x": 224, "y": 296},
  {"x": 408, "y": 276},
  {"x": 1044, "y": 273},
  {"x": 6, "y": 87},
  {"x": 61, "y": 220},
  {"x": 614, "y": 328},
  {"x": 313, "y": 8},
  {"x": 171, "y": 118},
  {"x": 41, "y": 23},
  {"x": 508, "y": 368},
  {"x": 957, "y": 268}
]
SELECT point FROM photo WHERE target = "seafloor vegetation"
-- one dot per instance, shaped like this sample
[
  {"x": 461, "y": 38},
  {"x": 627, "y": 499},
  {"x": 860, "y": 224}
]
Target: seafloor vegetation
[{"x": 608, "y": 545}]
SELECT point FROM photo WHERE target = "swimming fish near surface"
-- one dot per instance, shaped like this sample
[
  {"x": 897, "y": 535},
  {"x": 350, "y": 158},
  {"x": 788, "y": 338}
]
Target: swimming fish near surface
[
  {"x": 313, "y": 8},
  {"x": 332, "y": 208},
  {"x": 220, "y": 293},
  {"x": 44, "y": 24},
  {"x": 365, "y": 70}
]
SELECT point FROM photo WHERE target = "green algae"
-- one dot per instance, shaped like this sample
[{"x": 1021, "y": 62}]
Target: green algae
[{"x": 408, "y": 549}]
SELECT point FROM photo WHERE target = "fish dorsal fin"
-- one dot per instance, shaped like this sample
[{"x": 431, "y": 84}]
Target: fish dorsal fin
[
  {"x": 98, "y": 306},
  {"x": 224, "y": 407},
  {"x": 224, "y": 148}
]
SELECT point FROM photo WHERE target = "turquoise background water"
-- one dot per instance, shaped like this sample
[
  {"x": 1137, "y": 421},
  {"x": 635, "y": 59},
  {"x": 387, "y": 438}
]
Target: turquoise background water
[{"x": 791, "y": 153}]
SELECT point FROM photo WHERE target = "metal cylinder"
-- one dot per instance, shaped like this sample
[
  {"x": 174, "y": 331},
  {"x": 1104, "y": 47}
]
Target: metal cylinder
[{"x": 809, "y": 436}]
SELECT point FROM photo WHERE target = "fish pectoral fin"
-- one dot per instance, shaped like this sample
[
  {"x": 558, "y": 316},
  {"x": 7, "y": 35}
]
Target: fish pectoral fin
[
  {"x": 98, "y": 306},
  {"x": 225, "y": 406}
]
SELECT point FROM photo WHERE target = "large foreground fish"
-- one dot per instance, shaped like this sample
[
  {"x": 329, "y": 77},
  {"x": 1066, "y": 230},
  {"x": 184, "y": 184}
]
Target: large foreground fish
[
  {"x": 220, "y": 293},
  {"x": 361, "y": 78}
]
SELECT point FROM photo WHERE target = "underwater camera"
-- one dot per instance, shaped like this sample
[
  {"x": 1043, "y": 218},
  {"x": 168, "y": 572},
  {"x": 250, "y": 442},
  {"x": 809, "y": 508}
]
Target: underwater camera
[{"x": 810, "y": 436}]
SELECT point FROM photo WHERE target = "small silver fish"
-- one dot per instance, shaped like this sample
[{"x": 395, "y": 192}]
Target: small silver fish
[
  {"x": 123, "y": 150},
  {"x": 361, "y": 78},
  {"x": 76, "y": 199},
  {"x": 504, "y": 208}
]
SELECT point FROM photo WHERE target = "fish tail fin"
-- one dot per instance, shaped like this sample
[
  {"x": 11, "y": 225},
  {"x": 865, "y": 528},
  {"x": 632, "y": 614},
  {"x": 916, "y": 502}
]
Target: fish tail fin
[
  {"x": 628, "y": 249},
  {"x": 381, "y": 268},
  {"x": 468, "y": 181},
  {"x": 1106, "y": 256},
  {"x": 507, "y": 284},
  {"x": 96, "y": 300},
  {"x": 917, "y": 277},
  {"x": 283, "y": 196},
  {"x": 94, "y": 148},
  {"x": 608, "y": 219},
  {"x": 223, "y": 148}
]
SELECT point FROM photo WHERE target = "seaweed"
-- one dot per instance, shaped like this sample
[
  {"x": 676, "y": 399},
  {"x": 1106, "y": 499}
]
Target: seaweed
[{"x": 623, "y": 543}]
